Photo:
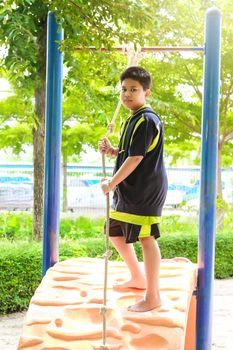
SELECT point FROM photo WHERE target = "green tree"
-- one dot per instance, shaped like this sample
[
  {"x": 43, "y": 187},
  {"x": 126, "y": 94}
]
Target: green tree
[
  {"x": 23, "y": 29},
  {"x": 90, "y": 86},
  {"x": 23, "y": 33},
  {"x": 74, "y": 138},
  {"x": 178, "y": 79},
  {"x": 90, "y": 98},
  {"x": 16, "y": 123}
]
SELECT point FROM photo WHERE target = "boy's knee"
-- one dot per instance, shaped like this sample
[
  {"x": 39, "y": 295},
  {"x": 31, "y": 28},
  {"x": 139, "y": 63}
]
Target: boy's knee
[{"x": 147, "y": 240}]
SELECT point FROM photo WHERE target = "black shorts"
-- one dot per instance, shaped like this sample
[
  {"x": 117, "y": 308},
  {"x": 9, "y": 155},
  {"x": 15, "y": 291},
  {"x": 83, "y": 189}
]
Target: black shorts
[{"x": 131, "y": 232}]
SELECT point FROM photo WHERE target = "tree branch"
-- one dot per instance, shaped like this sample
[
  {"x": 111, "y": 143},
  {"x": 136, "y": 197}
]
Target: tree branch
[
  {"x": 188, "y": 125},
  {"x": 198, "y": 92},
  {"x": 228, "y": 136},
  {"x": 224, "y": 109},
  {"x": 90, "y": 19},
  {"x": 229, "y": 93},
  {"x": 183, "y": 131}
]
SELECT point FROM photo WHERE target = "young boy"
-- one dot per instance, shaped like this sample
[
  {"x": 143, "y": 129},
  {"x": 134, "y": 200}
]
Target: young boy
[{"x": 140, "y": 186}]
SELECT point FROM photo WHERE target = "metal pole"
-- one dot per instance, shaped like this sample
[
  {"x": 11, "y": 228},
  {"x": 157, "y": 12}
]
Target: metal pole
[
  {"x": 146, "y": 48},
  {"x": 207, "y": 218},
  {"x": 52, "y": 144}
]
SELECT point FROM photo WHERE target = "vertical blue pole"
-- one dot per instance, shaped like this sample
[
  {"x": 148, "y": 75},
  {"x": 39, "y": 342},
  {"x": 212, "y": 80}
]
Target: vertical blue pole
[
  {"x": 207, "y": 218},
  {"x": 52, "y": 144}
]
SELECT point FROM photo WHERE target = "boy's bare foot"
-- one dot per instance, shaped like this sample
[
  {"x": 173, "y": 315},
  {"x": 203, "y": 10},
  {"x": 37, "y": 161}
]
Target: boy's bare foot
[
  {"x": 145, "y": 305},
  {"x": 138, "y": 283}
]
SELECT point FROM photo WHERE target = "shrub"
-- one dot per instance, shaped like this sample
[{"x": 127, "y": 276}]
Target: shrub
[
  {"x": 20, "y": 263},
  {"x": 15, "y": 226},
  {"x": 178, "y": 224},
  {"x": 81, "y": 227},
  {"x": 20, "y": 274},
  {"x": 18, "y": 226},
  {"x": 224, "y": 255}
]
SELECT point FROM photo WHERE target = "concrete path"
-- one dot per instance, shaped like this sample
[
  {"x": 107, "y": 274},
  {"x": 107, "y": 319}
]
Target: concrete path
[
  {"x": 223, "y": 315},
  {"x": 11, "y": 325}
]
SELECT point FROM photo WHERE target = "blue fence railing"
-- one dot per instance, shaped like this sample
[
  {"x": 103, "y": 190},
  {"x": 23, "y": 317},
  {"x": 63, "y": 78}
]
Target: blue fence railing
[{"x": 84, "y": 193}]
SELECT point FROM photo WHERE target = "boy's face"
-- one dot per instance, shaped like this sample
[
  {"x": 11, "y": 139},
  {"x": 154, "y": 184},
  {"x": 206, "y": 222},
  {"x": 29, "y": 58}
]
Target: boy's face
[{"x": 132, "y": 94}]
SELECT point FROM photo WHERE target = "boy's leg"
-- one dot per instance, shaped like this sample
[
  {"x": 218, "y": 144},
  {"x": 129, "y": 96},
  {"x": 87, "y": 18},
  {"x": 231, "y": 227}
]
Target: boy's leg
[
  {"x": 127, "y": 252},
  {"x": 152, "y": 258}
]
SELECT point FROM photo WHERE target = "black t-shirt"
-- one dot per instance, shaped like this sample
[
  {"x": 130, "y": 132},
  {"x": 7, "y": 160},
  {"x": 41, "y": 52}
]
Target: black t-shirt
[{"x": 144, "y": 191}]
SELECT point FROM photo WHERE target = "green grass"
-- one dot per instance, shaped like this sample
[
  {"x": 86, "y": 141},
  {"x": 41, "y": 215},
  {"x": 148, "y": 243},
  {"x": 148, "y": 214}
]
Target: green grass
[{"x": 18, "y": 226}]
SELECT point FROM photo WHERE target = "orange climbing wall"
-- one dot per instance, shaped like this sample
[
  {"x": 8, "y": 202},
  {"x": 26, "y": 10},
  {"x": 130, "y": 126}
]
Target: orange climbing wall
[{"x": 64, "y": 313}]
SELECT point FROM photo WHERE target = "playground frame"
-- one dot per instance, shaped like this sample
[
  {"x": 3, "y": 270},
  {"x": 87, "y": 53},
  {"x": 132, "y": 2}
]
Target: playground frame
[{"x": 210, "y": 115}]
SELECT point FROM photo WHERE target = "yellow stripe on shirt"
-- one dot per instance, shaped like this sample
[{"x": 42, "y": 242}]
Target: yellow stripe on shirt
[
  {"x": 139, "y": 122},
  {"x": 155, "y": 141}
]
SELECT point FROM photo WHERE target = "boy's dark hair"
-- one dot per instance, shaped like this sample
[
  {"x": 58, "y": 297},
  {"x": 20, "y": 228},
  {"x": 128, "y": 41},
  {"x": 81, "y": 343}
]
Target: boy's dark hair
[{"x": 139, "y": 74}]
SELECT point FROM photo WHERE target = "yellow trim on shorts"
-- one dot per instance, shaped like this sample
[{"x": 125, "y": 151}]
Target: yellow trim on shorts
[
  {"x": 135, "y": 219},
  {"x": 145, "y": 231}
]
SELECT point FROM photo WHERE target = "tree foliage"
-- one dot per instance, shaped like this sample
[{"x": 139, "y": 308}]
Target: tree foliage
[
  {"x": 179, "y": 93},
  {"x": 91, "y": 79},
  {"x": 23, "y": 35},
  {"x": 15, "y": 125}
]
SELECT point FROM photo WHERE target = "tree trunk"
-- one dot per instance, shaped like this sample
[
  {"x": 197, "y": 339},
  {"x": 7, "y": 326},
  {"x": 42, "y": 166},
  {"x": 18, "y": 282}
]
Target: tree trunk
[
  {"x": 65, "y": 202},
  {"x": 219, "y": 170},
  {"x": 220, "y": 201},
  {"x": 38, "y": 136}
]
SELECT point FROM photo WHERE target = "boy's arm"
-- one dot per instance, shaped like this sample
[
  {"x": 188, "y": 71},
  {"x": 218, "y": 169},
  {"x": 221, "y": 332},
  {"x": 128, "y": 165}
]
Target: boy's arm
[{"x": 129, "y": 165}]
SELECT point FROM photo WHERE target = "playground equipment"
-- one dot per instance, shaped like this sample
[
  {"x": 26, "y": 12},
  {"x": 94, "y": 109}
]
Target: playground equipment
[
  {"x": 211, "y": 50},
  {"x": 64, "y": 312}
]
